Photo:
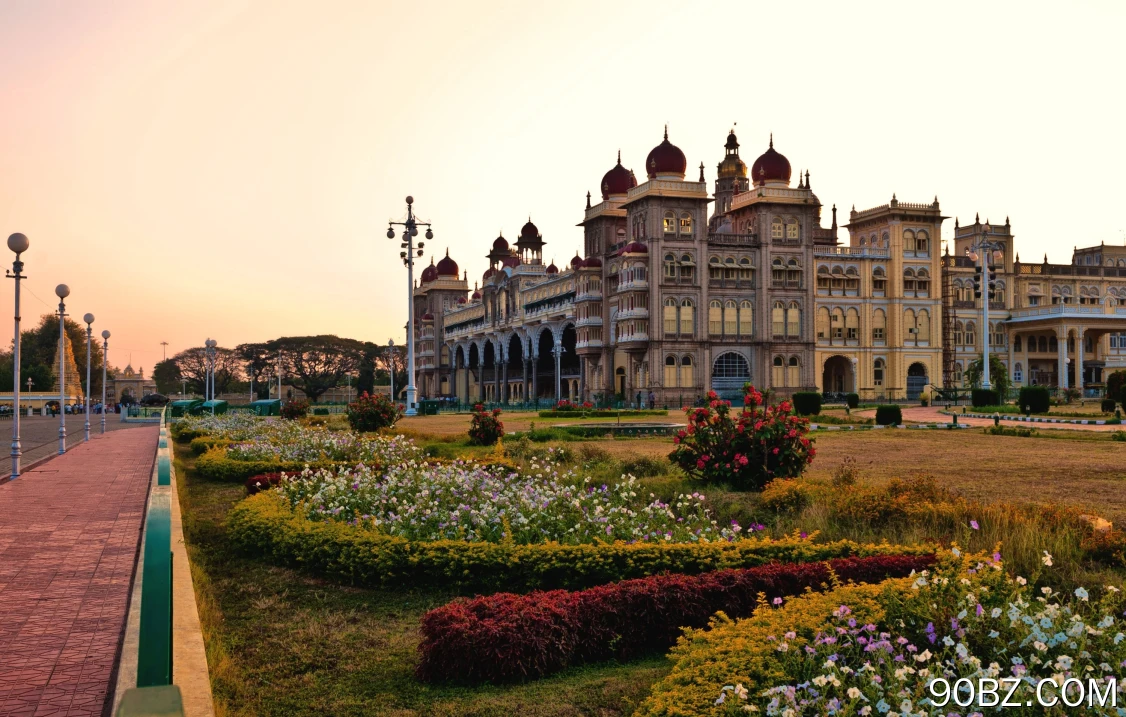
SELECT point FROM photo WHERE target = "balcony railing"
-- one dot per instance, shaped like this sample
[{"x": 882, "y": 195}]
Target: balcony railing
[
  {"x": 589, "y": 344},
  {"x": 635, "y": 313},
  {"x": 851, "y": 251},
  {"x": 589, "y": 321}
]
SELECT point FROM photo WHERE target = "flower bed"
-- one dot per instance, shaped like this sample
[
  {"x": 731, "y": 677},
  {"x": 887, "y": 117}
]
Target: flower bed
[
  {"x": 265, "y": 524},
  {"x": 506, "y": 637},
  {"x": 876, "y": 649}
]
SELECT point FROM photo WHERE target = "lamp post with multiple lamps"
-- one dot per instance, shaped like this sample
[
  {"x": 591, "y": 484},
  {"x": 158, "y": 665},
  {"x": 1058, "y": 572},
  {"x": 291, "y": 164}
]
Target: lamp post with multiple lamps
[
  {"x": 62, "y": 291},
  {"x": 391, "y": 365},
  {"x": 209, "y": 377},
  {"x": 89, "y": 319},
  {"x": 410, "y": 231},
  {"x": 18, "y": 243},
  {"x": 105, "y": 360},
  {"x": 981, "y": 251}
]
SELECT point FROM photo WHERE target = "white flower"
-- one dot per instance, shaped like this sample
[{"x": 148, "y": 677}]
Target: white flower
[
  {"x": 853, "y": 693},
  {"x": 1021, "y": 581},
  {"x": 740, "y": 691},
  {"x": 1040, "y": 646},
  {"x": 1047, "y": 559}
]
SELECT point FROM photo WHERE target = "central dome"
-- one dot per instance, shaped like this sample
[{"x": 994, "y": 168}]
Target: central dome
[
  {"x": 666, "y": 160},
  {"x": 618, "y": 180},
  {"x": 771, "y": 167},
  {"x": 447, "y": 266}
]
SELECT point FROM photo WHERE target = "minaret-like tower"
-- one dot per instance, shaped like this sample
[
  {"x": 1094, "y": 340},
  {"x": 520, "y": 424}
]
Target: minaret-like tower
[{"x": 731, "y": 178}]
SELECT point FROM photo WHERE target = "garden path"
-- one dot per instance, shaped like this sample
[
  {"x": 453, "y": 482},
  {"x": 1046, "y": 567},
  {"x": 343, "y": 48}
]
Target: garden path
[{"x": 69, "y": 534}]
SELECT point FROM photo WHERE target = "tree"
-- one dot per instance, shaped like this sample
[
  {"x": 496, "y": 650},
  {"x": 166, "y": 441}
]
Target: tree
[
  {"x": 315, "y": 364},
  {"x": 41, "y": 377},
  {"x": 365, "y": 378},
  {"x": 392, "y": 359},
  {"x": 998, "y": 376},
  {"x": 192, "y": 364},
  {"x": 40, "y": 345},
  {"x": 259, "y": 364},
  {"x": 167, "y": 376}
]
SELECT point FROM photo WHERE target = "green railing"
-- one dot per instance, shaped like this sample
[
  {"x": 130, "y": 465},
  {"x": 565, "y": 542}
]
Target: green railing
[{"x": 155, "y": 694}]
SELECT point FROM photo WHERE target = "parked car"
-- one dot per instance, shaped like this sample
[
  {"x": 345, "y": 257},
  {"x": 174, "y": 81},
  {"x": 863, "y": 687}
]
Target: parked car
[{"x": 154, "y": 399}]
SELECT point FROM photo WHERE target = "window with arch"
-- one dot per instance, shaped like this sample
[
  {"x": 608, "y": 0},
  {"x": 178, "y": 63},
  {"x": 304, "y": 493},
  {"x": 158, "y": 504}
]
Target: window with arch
[
  {"x": 687, "y": 375},
  {"x": 823, "y": 280},
  {"x": 730, "y": 365},
  {"x": 793, "y": 372},
  {"x": 884, "y": 240},
  {"x": 670, "y": 371},
  {"x": 879, "y": 281},
  {"x": 778, "y": 271},
  {"x": 922, "y": 282},
  {"x": 852, "y": 281},
  {"x": 776, "y": 229},
  {"x": 878, "y": 372},
  {"x": 778, "y": 372},
  {"x": 908, "y": 282},
  {"x": 729, "y": 270},
  {"x": 909, "y": 328},
  {"x": 923, "y": 326},
  {"x": 715, "y": 317},
  {"x": 746, "y": 270},
  {"x": 687, "y": 318},
  {"x": 908, "y": 240},
  {"x": 1017, "y": 344},
  {"x": 971, "y": 331},
  {"x": 852, "y": 325},
  {"x": 822, "y": 325},
  {"x": 879, "y": 327},
  {"x": 687, "y": 267},
  {"x": 686, "y": 224},
  {"x": 863, "y": 241},
  {"x": 746, "y": 318},
  {"x": 837, "y": 324},
  {"x": 778, "y": 319},
  {"x": 670, "y": 223},
  {"x": 958, "y": 372},
  {"x": 670, "y": 315},
  {"x": 793, "y": 320},
  {"x": 730, "y": 318},
  {"x": 670, "y": 266},
  {"x": 792, "y": 230},
  {"x": 1018, "y": 372},
  {"x": 836, "y": 283},
  {"x": 793, "y": 273},
  {"x": 922, "y": 243},
  {"x": 715, "y": 268},
  {"x": 999, "y": 292}
]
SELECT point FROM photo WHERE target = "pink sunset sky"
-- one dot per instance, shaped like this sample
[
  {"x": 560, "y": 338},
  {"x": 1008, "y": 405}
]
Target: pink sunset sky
[{"x": 226, "y": 169}]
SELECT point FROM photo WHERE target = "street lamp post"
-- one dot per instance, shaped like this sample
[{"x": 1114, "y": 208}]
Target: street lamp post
[
  {"x": 410, "y": 231},
  {"x": 981, "y": 251},
  {"x": 105, "y": 360},
  {"x": 391, "y": 365},
  {"x": 18, "y": 243},
  {"x": 89, "y": 319},
  {"x": 210, "y": 377},
  {"x": 62, "y": 291}
]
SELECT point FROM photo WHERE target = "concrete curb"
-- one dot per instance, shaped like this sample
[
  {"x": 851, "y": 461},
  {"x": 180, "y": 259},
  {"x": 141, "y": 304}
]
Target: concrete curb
[{"x": 1036, "y": 419}]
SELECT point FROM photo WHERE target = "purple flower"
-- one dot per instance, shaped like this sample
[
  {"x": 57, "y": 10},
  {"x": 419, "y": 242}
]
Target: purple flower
[{"x": 974, "y": 525}]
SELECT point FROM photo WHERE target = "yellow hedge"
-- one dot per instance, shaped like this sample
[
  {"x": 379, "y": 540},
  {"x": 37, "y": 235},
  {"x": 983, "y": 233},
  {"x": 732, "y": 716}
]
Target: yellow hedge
[
  {"x": 732, "y": 652},
  {"x": 264, "y": 524}
]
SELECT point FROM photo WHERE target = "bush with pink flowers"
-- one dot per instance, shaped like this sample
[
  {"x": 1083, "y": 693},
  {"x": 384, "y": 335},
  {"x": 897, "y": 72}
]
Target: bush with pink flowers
[{"x": 746, "y": 450}]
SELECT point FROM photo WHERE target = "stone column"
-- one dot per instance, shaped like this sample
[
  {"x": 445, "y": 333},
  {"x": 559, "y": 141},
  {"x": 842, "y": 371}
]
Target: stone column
[
  {"x": 524, "y": 367},
  {"x": 1079, "y": 359},
  {"x": 557, "y": 350},
  {"x": 1012, "y": 355},
  {"x": 1061, "y": 357},
  {"x": 582, "y": 378},
  {"x": 504, "y": 382},
  {"x": 535, "y": 370}
]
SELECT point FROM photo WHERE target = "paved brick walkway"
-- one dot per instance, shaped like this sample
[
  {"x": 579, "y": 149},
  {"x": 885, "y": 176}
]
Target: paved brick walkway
[{"x": 69, "y": 534}]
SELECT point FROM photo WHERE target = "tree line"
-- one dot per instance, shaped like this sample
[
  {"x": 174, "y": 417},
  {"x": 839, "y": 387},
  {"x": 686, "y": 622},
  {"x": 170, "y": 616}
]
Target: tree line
[
  {"x": 312, "y": 364},
  {"x": 39, "y": 356}
]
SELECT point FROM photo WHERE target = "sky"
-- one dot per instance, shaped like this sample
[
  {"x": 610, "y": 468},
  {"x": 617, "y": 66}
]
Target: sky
[{"x": 226, "y": 168}]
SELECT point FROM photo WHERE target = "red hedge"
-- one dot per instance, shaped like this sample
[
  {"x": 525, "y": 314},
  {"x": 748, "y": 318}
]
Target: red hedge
[{"x": 507, "y": 637}]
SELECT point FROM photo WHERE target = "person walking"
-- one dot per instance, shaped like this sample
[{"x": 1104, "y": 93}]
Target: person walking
[{"x": 652, "y": 400}]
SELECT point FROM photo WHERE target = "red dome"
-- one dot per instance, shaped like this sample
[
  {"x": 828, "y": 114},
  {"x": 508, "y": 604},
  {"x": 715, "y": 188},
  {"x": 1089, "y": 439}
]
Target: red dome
[
  {"x": 666, "y": 158},
  {"x": 461, "y": 300},
  {"x": 476, "y": 294},
  {"x": 500, "y": 244},
  {"x": 592, "y": 262},
  {"x": 552, "y": 268},
  {"x": 428, "y": 316},
  {"x": 529, "y": 231},
  {"x": 635, "y": 247},
  {"x": 513, "y": 261},
  {"x": 770, "y": 167},
  {"x": 576, "y": 262},
  {"x": 618, "y": 180},
  {"x": 488, "y": 272},
  {"x": 430, "y": 273},
  {"x": 447, "y": 266}
]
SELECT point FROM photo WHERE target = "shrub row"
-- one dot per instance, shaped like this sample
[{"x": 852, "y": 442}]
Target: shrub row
[
  {"x": 890, "y": 415},
  {"x": 264, "y": 525},
  {"x": 1036, "y": 398},
  {"x": 578, "y": 413},
  {"x": 509, "y": 638},
  {"x": 215, "y": 465},
  {"x": 807, "y": 403},
  {"x": 203, "y": 444},
  {"x": 980, "y": 397}
]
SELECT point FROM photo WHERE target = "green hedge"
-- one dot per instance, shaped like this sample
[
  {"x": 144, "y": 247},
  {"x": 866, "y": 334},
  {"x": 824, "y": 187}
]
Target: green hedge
[
  {"x": 852, "y": 399},
  {"x": 980, "y": 397},
  {"x": 203, "y": 444},
  {"x": 264, "y": 525},
  {"x": 807, "y": 403},
  {"x": 1036, "y": 398},
  {"x": 183, "y": 434},
  {"x": 602, "y": 414},
  {"x": 889, "y": 415},
  {"x": 215, "y": 465}
]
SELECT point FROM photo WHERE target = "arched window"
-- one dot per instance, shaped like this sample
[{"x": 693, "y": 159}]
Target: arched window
[
  {"x": 958, "y": 372},
  {"x": 670, "y": 316},
  {"x": 836, "y": 283},
  {"x": 922, "y": 243},
  {"x": 823, "y": 281},
  {"x": 1018, "y": 372},
  {"x": 999, "y": 292},
  {"x": 670, "y": 266},
  {"x": 878, "y": 372},
  {"x": 908, "y": 282},
  {"x": 778, "y": 319},
  {"x": 923, "y": 324},
  {"x": 776, "y": 229},
  {"x": 670, "y": 223},
  {"x": 778, "y": 271},
  {"x": 686, "y": 224},
  {"x": 1042, "y": 344},
  {"x": 746, "y": 318},
  {"x": 687, "y": 318},
  {"x": 879, "y": 281},
  {"x": 715, "y": 269},
  {"x": 687, "y": 267},
  {"x": 837, "y": 324},
  {"x": 729, "y": 271},
  {"x": 863, "y": 241},
  {"x": 852, "y": 325},
  {"x": 792, "y": 230},
  {"x": 778, "y": 372},
  {"x": 793, "y": 273},
  {"x": 730, "y": 319},
  {"x": 687, "y": 377},
  {"x": 922, "y": 283},
  {"x": 909, "y": 329},
  {"x": 670, "y": 372},
  {"x": 1017, "y": 345},
  {"x": 822, "y": 323},
  {"x": 793, "y": 373},
  {"x": 715, "y": 318},
  {"x": 971, "y": 331},
  {"x": 879, "y": 326},
  {"x": 908, "y": 240},
  {"x": 746, "y": 270},
  {"x": 852, "y": 281},
  {"x": 793, "y": 320}
]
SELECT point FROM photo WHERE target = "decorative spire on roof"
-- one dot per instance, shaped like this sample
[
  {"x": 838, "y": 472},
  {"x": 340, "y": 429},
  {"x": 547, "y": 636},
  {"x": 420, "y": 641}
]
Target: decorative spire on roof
[
  {"x": 588, "y": 199},
  {"x": 701, "y": 171},
  {"x": 666, "y": 130},
  {"x": 772, "y": 140},
  {"x": 977, "y": 218},
  {"x": 800, "y": 180},
  {"x": 807, "y": 179}
]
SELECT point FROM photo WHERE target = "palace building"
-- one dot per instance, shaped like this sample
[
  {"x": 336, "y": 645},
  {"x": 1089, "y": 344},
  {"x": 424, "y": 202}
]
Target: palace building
[{"x": 679, "y": 291}]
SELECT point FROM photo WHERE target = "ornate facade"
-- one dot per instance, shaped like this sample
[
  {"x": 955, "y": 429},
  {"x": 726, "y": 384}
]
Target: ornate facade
[{"x": 681, "y": 291}]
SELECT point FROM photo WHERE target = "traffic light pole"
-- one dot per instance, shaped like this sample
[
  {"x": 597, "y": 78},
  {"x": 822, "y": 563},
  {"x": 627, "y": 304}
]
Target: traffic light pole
[{"x": 985, "y": 274}]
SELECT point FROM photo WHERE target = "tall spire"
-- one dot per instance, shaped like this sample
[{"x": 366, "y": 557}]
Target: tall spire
[
  {"x": 588, "y": 199},
  {"x": 619, "y": 156},
  {"x": 666, "y": 131},
  {"x": 702, "y": 171},
  {"x": 800, "y": 185},
  {"x": 772, "y": 140},
  {"x": 807, "y": 179}
]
